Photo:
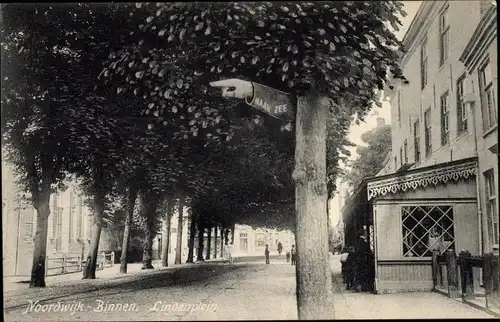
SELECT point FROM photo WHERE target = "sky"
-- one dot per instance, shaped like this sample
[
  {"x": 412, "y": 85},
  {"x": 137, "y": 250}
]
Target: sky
[{"x": 411, "y": 8}]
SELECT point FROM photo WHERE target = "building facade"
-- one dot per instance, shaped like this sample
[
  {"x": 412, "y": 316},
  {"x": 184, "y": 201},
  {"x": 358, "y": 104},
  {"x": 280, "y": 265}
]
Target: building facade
[
  {"x": 437, "y": 190},
  {"x": 448, "y": 111},
  {"x": 69, "y": 227}
]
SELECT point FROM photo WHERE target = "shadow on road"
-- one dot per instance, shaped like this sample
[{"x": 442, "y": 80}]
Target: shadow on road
[{"x": 182, "y": 276}]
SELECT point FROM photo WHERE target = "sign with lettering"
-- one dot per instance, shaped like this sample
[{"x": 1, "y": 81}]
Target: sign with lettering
[{"x": 273, "y": 102}]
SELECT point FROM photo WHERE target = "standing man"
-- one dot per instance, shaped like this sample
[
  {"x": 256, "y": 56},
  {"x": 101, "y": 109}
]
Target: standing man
[
  {"x": 266, "y": 252},
  {"x": 280, "y": 248},
  {"x": 294, "y": 255}
]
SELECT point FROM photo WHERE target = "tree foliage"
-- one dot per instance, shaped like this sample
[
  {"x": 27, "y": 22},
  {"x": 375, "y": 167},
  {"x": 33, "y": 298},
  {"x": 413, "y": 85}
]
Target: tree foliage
[{"x": 371, "y": 157}]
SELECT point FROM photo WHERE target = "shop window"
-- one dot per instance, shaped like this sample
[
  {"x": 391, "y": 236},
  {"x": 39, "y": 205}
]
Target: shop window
[{"x": 427, "y": 228}]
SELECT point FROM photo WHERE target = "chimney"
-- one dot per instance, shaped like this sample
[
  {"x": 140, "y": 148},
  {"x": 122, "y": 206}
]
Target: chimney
[{"x": 380, "y": 121}]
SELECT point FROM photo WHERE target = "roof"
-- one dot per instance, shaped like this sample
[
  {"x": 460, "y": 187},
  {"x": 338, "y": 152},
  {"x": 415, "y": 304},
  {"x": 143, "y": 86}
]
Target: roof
[{"x": 483, "y": 36}]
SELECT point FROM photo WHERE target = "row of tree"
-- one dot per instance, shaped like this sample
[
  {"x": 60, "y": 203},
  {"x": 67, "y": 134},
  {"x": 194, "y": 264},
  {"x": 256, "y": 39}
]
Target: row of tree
[{"x": 117, "y": 95}]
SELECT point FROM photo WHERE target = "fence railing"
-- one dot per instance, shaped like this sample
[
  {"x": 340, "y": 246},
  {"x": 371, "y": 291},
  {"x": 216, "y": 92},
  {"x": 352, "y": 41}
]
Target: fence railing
[
  {"x": 468, "y": 277},
  {"x": 67, "y": 263}
]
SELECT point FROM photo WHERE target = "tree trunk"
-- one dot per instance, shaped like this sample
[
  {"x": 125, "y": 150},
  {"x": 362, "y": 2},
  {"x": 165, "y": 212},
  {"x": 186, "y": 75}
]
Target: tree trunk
[
  {"x": 40, "y": 251},
  {"x": 233, "y": 227},
  {"x": 91, "y": 264},
  {"x": 209, "y": 243},
  {"x": 221, "y": 242},
  {"x": 215, "y": 242},
  {"x": 166, "y": 235},
  {"x": 178, "y": 250},
  {"x": 147, "y": 253},
  {"x": 192, "y": 233},
  {"x": 313, "y": 271},
  {"x": 226, "y": 236},
  {"x": 132, "y": 195},
  {"x": 201, "y": 233},
  {"x": 166, "y": 243}
]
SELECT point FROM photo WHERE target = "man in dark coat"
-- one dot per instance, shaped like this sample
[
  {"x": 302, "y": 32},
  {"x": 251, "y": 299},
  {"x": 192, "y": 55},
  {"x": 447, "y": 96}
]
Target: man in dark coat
[{"x": 361, "y": 276}]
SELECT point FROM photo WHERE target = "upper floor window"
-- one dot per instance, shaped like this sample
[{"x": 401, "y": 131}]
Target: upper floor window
[
  {"x": 28, "y": 224},
  {"x": 79, "y": 218},
  {"x": 423, "y": 63},
  {"x": 491, "y": 207},
  {"x": 461, "y": 107},
  {"x": 428, "y": 132},
  {"x": 401, "y": 156},
  {"x": 488, "y": 108},
  {"x": 445, "y": 121},
  {"x": 416, "y": 140},
  {"x": 444, "y": 28},
  {"x": 395, "y": 163}
]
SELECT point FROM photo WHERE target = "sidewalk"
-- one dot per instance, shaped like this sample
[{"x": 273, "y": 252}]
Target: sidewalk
[{"x": 412, "y": 305}]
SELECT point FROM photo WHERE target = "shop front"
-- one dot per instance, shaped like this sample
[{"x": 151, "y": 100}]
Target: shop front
[{"x": 416, "y": 212}]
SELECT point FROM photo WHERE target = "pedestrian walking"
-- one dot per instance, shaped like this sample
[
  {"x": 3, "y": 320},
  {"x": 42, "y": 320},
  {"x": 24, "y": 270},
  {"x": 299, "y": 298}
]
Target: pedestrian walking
[
  {"x": 349, "y": 266},
  {"x": 266, "y": 252},
  {"x": 293, "y": 253},
  {"x": 280, "y": 248}
]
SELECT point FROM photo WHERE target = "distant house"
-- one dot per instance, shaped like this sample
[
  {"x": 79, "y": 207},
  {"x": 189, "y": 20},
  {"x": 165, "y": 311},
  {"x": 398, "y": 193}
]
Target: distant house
[{"x": 69, "y": 227}]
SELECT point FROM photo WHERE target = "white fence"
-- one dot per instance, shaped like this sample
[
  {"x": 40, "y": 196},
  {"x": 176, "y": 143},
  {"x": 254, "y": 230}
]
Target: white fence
[{"x": 67, "y": 264}]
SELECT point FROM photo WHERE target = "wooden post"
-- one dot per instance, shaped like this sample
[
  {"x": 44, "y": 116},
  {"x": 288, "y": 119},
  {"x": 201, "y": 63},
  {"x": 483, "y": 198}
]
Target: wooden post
[
  {"x": 435, "y": 269},
  {"x": 452, "y": 273},
  {"x": 467, "y": 278},
  {"x": 63, "y": 264},
  {"x": 313, "y": 270},
  {"x": 112, "y": 258},
  {"x": 491, "y": 281}
]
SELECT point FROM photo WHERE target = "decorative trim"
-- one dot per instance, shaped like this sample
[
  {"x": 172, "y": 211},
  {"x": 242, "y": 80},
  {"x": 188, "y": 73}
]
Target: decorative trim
[{"x": 421, "y": 179}]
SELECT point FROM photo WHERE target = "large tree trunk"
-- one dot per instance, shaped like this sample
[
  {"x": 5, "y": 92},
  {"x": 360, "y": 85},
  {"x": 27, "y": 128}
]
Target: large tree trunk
[
  {"x": 201, "y": 233},
  {"x": 40, "y": 251},
  {"x": 215, "y": 242},
  {"x": 209, "y": 243},
  {"x": 192, "y": 233},
  {"x": 313, "y": 271},
  {"x": 91, "y": 264},
  {"x": 178, "y": 250},
  {"x": 147, "y": 253},
  {"x": 152, "y": 201},
  {"x": 132, "y": 196}
]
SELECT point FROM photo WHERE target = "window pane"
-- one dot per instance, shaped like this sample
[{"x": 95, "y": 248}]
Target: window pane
[{"x": 427, "y": 228}]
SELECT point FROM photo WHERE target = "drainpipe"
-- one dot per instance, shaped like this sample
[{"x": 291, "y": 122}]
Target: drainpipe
[{"x": 470, "y": 100}]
